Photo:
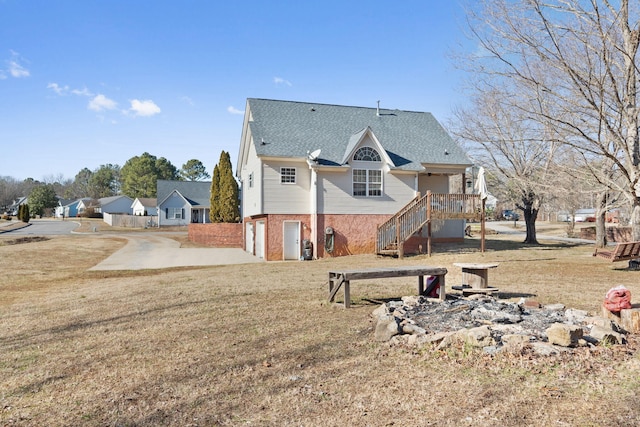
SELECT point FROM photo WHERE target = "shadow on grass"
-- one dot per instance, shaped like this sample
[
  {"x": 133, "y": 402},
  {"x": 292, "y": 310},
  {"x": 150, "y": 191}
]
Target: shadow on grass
[
  {"x": 496, "y": 245},
  {"x": 510, "y": 295}
]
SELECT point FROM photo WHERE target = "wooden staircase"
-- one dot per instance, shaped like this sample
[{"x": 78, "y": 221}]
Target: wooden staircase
[{"x": 420, "y": 212}]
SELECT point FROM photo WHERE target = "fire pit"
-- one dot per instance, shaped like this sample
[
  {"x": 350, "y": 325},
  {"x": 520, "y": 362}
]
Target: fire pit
[{"x": 492, "y": 324}]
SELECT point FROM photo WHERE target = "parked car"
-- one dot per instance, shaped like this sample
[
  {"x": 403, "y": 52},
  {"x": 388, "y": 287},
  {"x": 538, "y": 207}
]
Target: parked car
[{"x": 510, "y": 215}]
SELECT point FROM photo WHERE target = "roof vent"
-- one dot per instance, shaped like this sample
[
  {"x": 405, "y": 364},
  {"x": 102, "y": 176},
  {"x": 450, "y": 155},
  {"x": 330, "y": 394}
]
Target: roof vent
[
  {"x": 313, "y": 108},
  {"x": 378, "y": 109}
]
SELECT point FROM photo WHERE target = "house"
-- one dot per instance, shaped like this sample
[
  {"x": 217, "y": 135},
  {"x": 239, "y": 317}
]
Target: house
[
  {"x": 12, "y": 209},
  {"x": 87, "y": 206},
  {"x": 325, "y": 178},
  {"x": 68, "y": 208},
  {"x": 145, "y": 206},
  {"x": 112, "y": 205},
  {"x": 183, "y": 202},
  {"x": 115, "y": 205}
]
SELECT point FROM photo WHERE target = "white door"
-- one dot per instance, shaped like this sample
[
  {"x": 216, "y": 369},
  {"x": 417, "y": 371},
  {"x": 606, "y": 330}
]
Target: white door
[
  {"x": 260, "y": 239},
  {"x": 291, "y": 240},
  {"x": 248, "y": 238}
]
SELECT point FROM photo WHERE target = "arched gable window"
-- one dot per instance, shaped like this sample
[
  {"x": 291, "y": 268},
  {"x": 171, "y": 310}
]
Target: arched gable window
[
  {"x": 367, "y": 182},
  {"x": 366, "y": 154}
]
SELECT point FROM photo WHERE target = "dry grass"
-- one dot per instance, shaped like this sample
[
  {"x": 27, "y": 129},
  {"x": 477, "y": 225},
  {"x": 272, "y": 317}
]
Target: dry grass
[{"x": 259, "y": 345}]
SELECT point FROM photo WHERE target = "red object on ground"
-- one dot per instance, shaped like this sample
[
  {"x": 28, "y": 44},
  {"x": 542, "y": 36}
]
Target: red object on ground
[
  {"x": 617, "y": 299},
  {"x": 433, "y": 286}
]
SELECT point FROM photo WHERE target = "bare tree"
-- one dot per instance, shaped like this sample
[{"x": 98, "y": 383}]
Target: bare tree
[
  {"x": 513, "y": 147},
  {"x": 576, "y": 62},
  {"x": 10, "y": 190}
]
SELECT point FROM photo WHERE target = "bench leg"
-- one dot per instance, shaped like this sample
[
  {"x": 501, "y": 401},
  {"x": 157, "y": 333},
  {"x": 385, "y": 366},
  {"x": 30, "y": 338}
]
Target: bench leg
[
  {"x": 347, "y": 295},
  {"x": 335, "y": 281},
  {"x": 443, "y": 293},
  {"x": 420, "y": 285}
]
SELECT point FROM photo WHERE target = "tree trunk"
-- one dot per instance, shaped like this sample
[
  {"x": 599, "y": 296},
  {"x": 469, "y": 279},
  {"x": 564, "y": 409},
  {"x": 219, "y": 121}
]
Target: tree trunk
[
  {"x": 601, "y": 214},
  {"x": 635, "y": 220},
  {"x": 530, "y": 216}
]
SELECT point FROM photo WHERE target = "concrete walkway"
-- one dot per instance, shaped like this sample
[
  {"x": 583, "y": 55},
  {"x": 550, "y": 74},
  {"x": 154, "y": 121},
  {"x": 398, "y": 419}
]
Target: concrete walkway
[{"x": 151, "y": 251}]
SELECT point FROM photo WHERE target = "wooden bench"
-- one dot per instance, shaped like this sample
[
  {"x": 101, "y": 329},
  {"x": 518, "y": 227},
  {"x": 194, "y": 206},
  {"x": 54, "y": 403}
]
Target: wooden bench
[
  {"x": 624, "y": 251},
  {"x": 344, "y": 277}
]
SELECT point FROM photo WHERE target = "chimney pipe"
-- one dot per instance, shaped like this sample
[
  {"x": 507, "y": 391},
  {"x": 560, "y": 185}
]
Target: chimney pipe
[{"x": 378, "y": 109}]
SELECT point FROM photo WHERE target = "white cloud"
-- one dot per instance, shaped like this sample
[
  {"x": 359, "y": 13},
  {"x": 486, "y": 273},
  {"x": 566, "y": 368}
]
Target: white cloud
[
  {"x": 144, "y": 108},
  {"x": 60, "y": 90},
  {"x": 14, "y": 67},
  {"x": 17, "y": 70},
  {"x": 65, "y": 90},
  {"x": 82, "y": 92},
  {"x": 101, "y": 103},
  {"x": 233, "y": 110},
  {"x": 280, "y": 81}
]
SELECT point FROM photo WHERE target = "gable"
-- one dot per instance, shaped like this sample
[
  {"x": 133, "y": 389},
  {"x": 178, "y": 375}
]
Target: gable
[
  {"x": 365, "y": 139},
  {"x": 197, "y": 193}
]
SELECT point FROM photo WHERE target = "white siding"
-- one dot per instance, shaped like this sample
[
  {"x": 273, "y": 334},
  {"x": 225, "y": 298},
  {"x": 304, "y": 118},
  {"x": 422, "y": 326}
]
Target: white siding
[
  {"x": 252, "y": 196},
  {"x": 175, "y": 201},
  {"x": 435, "y": 183},
  {"x": 286, "y": 198},
  {"x": 335, "y": 191}
]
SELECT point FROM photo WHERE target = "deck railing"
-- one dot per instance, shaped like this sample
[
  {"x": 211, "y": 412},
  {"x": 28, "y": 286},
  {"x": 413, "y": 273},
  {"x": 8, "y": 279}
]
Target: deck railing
[{"x": 397, "y": 229}]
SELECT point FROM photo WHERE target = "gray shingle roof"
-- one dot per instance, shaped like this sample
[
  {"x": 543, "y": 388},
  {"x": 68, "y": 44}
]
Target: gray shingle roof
[
  {"x": 292, "y": 129},
  {"x": 197, "y": 193}
]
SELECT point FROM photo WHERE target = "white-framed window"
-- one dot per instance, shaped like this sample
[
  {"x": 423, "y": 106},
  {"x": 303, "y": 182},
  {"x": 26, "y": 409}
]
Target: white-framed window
[
  {"x": 174, "y": 213},
  {"x": 367, "y": 154},
  {"x": 287, "y": 175},
  {"x": 367, "y": 182},
  {"x": 251, "y": 180}
]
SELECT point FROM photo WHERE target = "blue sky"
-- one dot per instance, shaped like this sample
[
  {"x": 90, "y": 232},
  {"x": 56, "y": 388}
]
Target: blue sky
[{"x": 86, "y": 83}]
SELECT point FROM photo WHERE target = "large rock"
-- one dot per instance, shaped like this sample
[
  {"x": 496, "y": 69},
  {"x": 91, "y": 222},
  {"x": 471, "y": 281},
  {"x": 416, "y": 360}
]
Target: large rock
[
  {"x": 387, "y": 327},
  {"x": 606, "y": 336},
  {"x": 575, "y": 316},
  {"x": 381, "y": 311},
  {"x": 564, "y": 335},
  {"x": 475, "y": 337}
]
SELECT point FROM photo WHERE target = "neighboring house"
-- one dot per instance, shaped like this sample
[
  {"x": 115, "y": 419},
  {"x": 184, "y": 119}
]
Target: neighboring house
[
  {"x": 87, "y": 204},
  {"x": 183, "y": 202},
  {"x": 12, "y": 209},
  {"x": 580, "y": 215},
  {"x": 115, "y": 205},
  {"x": 145, "y": 206},
  {"x": 327, "y": 176},
  {"x": 68, "y": 208},
  {"x": 112, "y": 205}
]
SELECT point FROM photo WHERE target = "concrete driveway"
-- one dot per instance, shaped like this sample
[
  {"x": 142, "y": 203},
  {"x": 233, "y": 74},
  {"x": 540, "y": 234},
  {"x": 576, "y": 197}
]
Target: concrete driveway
[{"x": 151, "y": 251}]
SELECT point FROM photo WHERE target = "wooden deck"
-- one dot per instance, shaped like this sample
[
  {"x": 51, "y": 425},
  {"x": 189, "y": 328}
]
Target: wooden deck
[
  {"x": 340, "y": 278},
  {"x": 419, "y": 212}
]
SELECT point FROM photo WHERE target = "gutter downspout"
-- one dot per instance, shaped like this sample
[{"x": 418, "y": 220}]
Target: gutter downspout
[{"x": 314, "y": 210}]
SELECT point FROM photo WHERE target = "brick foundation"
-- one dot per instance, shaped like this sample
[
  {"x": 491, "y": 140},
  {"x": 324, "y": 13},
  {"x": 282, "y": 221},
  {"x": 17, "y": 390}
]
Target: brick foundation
[
  {"x": 352, "y": 235},
  {"x": 220, "y": 235}
]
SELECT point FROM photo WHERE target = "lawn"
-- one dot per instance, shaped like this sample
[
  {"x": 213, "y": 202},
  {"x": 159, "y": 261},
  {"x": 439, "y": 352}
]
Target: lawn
[{"x": 259, "y": 344}]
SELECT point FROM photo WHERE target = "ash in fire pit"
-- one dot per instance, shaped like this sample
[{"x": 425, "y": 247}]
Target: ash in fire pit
[{"x": 491, "y": 324}]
